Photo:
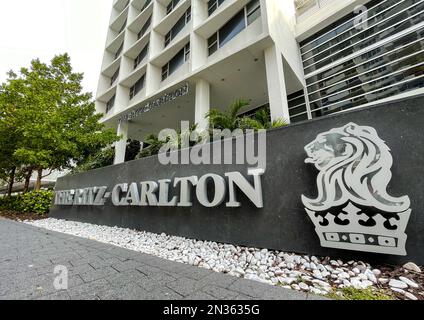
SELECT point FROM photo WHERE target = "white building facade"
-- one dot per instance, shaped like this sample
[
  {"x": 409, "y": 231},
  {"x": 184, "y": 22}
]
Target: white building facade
[{"x": 172, "y": 60}]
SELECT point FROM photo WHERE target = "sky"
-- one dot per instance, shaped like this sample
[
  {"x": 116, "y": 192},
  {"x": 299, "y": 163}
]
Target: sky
[{"x": 44, "y": 28}]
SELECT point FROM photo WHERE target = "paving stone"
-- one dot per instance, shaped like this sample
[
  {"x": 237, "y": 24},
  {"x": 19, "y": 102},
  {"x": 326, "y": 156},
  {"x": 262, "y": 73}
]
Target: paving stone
[
  {"x": 163, "y": 293},
  {"x": 126, "y": 265},
  {"x": 185, "y": 286},
  {"x": 122, "y": 279},
  {"x": 130, "y": 291},
  {"x": 99, "y": 271},
  {"x": 98, "y": 274},
  {"x": 219, "y": 292},
  {"x": 201, "y": 296}
]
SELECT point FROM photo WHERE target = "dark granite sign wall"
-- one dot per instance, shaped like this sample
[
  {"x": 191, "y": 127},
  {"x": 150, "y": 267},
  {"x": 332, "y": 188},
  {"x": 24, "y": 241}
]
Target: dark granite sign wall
[{"x": 282, "y": 223}]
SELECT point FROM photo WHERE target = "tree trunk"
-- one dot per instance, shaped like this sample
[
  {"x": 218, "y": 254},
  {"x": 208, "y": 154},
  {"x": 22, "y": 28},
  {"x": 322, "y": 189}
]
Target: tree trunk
[
  {"x": 39, "y": 177},
  {"x": 27, "y": 180},
  {"x": 11, "y": 182}
]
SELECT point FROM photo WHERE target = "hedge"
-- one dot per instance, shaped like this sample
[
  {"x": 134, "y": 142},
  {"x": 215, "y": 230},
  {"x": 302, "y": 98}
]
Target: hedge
[{"x": 37, "y": 202}]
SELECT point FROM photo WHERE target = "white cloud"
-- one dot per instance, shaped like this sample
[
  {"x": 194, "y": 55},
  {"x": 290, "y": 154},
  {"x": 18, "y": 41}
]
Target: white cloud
[{"x": 43, "y": 28}]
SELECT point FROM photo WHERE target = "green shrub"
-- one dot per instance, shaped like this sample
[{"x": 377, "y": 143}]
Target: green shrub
[
  {"x": 10, "y": 203},
  {"x": 37, "y": 202}
]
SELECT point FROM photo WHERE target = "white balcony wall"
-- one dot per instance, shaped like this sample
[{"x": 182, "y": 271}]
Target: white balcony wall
[{"x": 280, "y": 20}]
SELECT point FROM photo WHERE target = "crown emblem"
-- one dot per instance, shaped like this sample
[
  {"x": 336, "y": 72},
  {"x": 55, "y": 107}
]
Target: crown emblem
[{"x": 353, "y": 210}]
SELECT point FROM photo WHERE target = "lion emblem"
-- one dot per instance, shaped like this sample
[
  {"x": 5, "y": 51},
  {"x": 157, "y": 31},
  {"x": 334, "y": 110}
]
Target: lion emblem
[{"x": 354, "y": 166}]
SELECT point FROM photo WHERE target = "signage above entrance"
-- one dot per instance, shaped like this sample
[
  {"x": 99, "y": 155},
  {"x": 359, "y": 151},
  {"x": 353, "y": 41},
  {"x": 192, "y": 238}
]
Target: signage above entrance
[{"x": 170, "y": 96}]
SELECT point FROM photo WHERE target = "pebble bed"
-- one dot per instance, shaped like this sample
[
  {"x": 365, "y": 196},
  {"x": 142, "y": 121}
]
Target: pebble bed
[{"x": 312, "y": 274}]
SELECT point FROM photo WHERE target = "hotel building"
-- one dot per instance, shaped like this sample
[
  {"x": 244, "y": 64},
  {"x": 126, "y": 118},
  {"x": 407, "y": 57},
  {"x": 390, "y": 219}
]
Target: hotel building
[{"x": 171, "y": 60}]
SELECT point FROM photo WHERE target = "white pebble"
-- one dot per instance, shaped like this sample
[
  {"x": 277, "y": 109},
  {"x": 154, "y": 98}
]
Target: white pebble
[
  {"x": 397, "y": 284},
  {"x": 412, "y": 267},
  {"x": 410, "y": 296},
  {"x": 409, "y": 282}
]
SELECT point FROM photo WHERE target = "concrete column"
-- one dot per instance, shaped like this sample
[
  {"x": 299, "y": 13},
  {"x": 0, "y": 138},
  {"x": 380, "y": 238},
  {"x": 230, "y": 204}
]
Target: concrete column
[
  {"x": 121, "y": 146},
  {"x": 153, "y": 79},
  {"x": 202, "y": 104},
  {"x": 277, "y": 92},
  {"x": 199, "y": 12},
  {"x": 199, "y": 51}
]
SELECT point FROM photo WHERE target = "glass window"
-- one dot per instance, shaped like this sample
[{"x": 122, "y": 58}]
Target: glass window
[
  {"x": 213, "y": 44},
  {"x": 146, "y": 5},
  {"x": 372, "y": 35},
  {"x": 340, "y": 26},
  {"x": 110, "y": 104},
  {"x": 297, "y": 106},
  {"x": 137, "y": 87},
  {"x": 213, "y": 5},
  {"x": 171, "y": 6},
  {"x": 378, "y": 72},
  {"x": 144, "y": 29},
  {"x": 187, "y": 52},
  {"x": 352, "y": 66},
  {"x": 142, "y": 55},
  {"x": 179, "y": 25},
  {"x": 114, "y": 77},
  {"x": 253, "y": 11},
  {"x": 123, "y": 26},
  {"x": 177, "y": 61},
  {"x": 118, "y": 53},
  {"x": 232, "y": 28}
]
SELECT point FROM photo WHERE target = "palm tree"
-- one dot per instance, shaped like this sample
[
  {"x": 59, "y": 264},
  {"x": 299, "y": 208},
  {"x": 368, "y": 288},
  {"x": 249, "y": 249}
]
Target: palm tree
[
  {"x": 261, "y": 121},
  {"x": 228, "y": 119},
  {"x": 152, "y": 148}
]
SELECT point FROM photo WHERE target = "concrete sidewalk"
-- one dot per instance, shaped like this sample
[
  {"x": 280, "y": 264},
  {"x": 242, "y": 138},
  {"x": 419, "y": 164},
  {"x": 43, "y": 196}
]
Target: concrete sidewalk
[{"x": 96, "y": 271}]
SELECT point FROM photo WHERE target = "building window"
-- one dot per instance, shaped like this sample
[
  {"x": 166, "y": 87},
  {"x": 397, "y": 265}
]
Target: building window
[
  {"x": 137, "y": 87},
  {"x": 213, "y": 44},
  {"x": 142, "y": 55},
  {"x": 177, "y": 61},
  {"x": 114, "y": 77},
  {"x": 123, "y": 26},
  {"x": 144, "y": 29},
  {"x": 181, "y": 23},
  {"x": 233, "y": 27},
  {"x": 110, "y": 104},
  {"x": 253, "y": 11},
  {"x": 213, "y": 5},
  {"x": 297, "y": 106},
  {"x": 171, "y": 6},
  {"x": 146, "y": 4},
  {"x": 118, "y": 53},
  {"x": 346, "y": 66}
]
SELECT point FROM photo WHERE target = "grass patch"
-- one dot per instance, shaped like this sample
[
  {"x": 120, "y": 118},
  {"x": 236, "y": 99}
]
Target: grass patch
[{"x": 360, "y": 294}]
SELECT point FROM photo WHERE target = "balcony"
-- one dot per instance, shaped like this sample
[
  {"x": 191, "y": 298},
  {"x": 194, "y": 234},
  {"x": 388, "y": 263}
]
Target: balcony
[
  {"x": 120, "y": 5},
  {"x": 140, "y": 20},
  {"x": 305, "y": 8},
  {"x": 119, "y": 23}
]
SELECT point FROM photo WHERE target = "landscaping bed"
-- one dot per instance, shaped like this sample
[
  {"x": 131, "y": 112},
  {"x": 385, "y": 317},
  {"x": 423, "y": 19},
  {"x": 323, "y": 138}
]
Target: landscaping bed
[
  {"x": 21, "y": 216},
  {"x": 330, "y": 277}
]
